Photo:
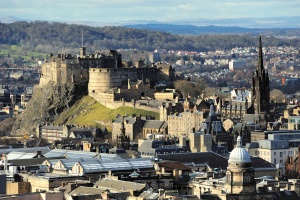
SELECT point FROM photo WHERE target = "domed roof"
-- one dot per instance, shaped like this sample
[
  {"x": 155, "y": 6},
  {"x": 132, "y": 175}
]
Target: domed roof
[{"x": 239, "y": 154}]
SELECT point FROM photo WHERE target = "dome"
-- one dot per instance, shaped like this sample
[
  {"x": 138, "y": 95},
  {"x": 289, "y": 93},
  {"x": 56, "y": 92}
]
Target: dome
[{"x": 239, "y": 154}]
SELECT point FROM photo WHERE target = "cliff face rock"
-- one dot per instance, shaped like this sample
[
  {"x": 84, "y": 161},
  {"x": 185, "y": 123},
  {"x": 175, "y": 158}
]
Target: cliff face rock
[{"x": 46, "y": 104}]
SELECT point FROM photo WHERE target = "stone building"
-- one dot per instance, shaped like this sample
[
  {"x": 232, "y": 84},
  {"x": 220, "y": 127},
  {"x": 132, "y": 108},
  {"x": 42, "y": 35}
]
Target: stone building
[
  {"x": 63, "y": 68},
  {"x": 184, "y": 123},
  {"x": 213, "y": 126},
  {"x": 53, "y": 133},
  {"x": 155, "y": 127},
  {"x": 167, "y": 109},
  {"x": 238, "y": 182},
  {"x": 133, "y": 126},
  {"x": 200, "y": 142}
]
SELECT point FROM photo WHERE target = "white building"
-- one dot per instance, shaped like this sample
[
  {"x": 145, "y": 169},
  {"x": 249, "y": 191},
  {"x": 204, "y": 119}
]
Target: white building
[
  {"x": 241, "y": 94},
  {"x": 277, "y": 147},
  {"x": 237, "y": 64}
]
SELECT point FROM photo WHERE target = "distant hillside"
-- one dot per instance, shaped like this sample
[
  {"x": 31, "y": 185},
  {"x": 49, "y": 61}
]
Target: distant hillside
[
  {"x": 200, "y": 30},
  {"x": 45, "y": 37},
  {"x": 195, "y": 30}
]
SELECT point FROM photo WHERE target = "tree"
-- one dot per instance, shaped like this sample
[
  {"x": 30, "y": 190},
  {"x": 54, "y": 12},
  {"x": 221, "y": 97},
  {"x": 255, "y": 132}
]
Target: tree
[
  {"x": 277, "y": 96},
  {"x": 185, "y": 87},
  {"x": 6, "y": 125}
]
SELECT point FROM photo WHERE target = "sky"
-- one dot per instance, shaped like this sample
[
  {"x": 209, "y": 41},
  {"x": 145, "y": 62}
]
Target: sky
[{"x": 113, "y": 11}]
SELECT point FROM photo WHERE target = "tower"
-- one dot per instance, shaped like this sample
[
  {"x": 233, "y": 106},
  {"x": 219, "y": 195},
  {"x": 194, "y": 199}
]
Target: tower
[
  {"x": 123, "y": 140},
  {"x": 82, "y": 48},
  {"x": 240, "y": 173},
  {"x": 260, "y": 87}
]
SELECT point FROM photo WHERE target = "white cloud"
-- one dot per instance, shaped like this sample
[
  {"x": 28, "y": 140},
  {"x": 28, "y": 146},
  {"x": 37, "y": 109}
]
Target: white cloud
[{"x": 121, "y": 10}]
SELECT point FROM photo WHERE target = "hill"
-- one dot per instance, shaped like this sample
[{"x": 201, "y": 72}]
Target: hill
[
  {"x": 67, "y": 104},
  {"x": 45, "y": 37},
  {"x": 216, "y": 30},
  {"x": 46, "y": 105},
  {"x": 88, "y": 112}
]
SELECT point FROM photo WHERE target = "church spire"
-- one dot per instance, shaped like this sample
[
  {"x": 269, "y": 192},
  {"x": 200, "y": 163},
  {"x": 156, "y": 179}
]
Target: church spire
[{"x": 260, "y": 65}]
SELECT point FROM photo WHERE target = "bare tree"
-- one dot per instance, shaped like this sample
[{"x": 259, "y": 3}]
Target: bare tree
[{"x": 277, "y": 96}]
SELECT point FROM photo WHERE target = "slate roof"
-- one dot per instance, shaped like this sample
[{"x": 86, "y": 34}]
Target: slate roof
[
  {"x": 174, "y": 165},
  {"x": 259, "y": 163},
  {"x": 212, "y": 159},
  {"x": 44, "y": 150},
  {"x": 156, "y": 124},
  {"x": 283, "y": 195},
  {"x": 32, "y": 161},
  {"x": 128, "y": 120},
  {"x": 85, "y": 191},
  {"x": 152, "y": 147},
  {"x": 86, "y": 131},
  {"x": 119, "y": 185}
]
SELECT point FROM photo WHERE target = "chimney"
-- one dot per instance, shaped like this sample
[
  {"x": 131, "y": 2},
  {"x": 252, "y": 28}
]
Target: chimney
[
  {"x": 39, "y": 154},
  {"x": 277, "y": 189}
]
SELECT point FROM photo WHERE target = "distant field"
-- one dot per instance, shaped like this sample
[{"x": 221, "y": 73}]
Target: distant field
[
  {"x": 88, "y": 112},
  {"x": 19, "y": 55}
]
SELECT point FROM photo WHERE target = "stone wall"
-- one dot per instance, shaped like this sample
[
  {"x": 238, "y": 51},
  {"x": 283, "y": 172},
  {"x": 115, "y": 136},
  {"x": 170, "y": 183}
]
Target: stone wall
[
  {"x": 17, "y": 188},
  {"x": 164, "y": 95},
  {"x": 102, "y": 80},
  {"x": 63, "y": 69}
]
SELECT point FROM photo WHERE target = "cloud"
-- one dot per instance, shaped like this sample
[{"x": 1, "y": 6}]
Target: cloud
[{"x": 161, "y": 10}]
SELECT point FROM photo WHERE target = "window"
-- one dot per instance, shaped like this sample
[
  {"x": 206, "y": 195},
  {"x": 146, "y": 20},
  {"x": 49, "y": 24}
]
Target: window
[
  {"x": 247, "y": 178},
  {"x": 281, "y": 154},
  {"x": 274, "y": 153},
  {"x": 275, "y": 161},
  {"x": 228, "y": 177}
]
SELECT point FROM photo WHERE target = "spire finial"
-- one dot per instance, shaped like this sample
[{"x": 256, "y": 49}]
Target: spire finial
[
  {"x": 239, "y": 141},
  {"x": 260, "y": 65}
]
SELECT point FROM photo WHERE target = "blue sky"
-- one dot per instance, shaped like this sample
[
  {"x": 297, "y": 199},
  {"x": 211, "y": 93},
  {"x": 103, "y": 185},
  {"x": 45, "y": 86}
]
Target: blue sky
[{"x": 159, "y": 10}]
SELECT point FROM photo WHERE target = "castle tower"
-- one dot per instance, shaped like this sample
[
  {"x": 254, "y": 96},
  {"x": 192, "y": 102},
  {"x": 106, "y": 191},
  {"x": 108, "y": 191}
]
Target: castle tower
[
  {"x": 260, "y": 86},
  {"x": 240, "y": 173}
]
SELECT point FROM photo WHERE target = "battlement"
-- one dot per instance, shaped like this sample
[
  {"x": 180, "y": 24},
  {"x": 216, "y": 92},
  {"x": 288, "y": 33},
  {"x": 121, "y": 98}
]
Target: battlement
[{"x": 101, "y": 72}]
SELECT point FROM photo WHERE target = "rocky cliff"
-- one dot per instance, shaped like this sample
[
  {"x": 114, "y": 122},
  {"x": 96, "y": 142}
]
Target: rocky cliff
[{"x": 46, "y": 104}]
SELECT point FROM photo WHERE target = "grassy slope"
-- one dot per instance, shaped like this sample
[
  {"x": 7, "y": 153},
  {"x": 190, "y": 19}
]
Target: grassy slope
[{"x": 88, "y": 112}]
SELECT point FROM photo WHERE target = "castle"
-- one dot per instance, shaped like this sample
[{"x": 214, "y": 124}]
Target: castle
[{"x": 107, "y": 77}]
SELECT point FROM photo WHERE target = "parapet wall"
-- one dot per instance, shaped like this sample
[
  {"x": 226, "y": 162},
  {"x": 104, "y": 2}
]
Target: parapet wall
[{"x": 117, "y": 104}]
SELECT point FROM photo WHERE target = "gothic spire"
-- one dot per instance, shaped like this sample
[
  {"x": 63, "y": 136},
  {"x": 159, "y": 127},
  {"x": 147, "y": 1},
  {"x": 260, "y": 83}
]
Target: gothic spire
[{"x": 260, "y": 65}]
